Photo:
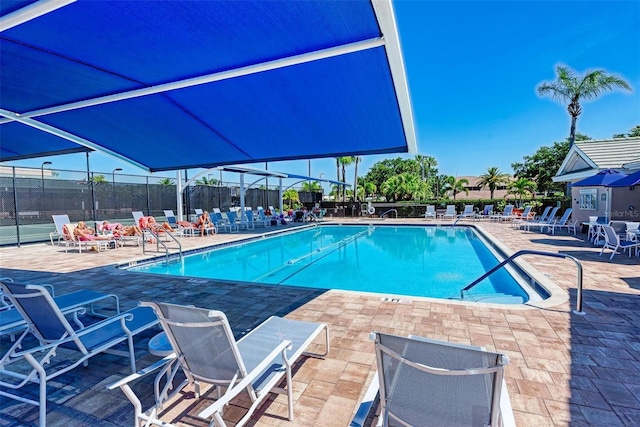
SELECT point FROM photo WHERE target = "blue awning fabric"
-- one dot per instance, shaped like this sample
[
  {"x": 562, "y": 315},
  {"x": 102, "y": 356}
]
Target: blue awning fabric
[{"x": 185, "y": 84}]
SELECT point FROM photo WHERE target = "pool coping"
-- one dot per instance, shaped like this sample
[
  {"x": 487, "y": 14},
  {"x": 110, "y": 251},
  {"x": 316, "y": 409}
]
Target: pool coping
[{"x": 556, "y": 297}]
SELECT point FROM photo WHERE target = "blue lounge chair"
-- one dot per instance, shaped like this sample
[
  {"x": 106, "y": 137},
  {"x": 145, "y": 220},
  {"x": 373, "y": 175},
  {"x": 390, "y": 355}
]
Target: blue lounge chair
[
  {"x": 563, "y": 222},
  {"x": 23, "y": 364}
]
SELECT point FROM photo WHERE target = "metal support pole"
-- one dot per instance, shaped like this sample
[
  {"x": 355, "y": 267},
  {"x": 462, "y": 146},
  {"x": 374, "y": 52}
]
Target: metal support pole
[
  {"x": 179, "y": 207},
  {"x": 15, "y": 205},
  {"x": 148, "y": 199}
]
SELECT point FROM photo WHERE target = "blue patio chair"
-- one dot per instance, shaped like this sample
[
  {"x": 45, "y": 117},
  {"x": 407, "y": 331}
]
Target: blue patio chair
[
  {"x": 563, "y": 222},
  {"x": 24, "y": 364}
]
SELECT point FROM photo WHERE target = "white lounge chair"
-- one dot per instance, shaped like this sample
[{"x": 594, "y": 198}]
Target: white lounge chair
[
  {"x": 486, "y": 213},
  {"x": 518, "y": 219},
  {"x": 24, "y": 364},
  {"x": 506, "y": 215},
  {"x": 434, "y": 383},
  {"x": 232, "y": 217},
  {"x": 70, "y": 239},
  {"x": 263, "y": 218},
  {"x": 563, "y": 222},
  {"x": 207, "y": 352},
  {"x": 612, "y": 241},
  {"x": 450, "y": 212},
  {"x": 59, "y": 221},
  {"x": 183, "y": 230},
  {"x": 541, "y": 223},
  {"x": 543, "y": 217},
  {"x": 468, "y": 212},
  {"x": 430, "y": 212}
]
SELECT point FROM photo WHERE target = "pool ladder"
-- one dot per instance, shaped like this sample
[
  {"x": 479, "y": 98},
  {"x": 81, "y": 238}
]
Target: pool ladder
[
  {"x": 388, "y": 211},
  {"x": 156, "y": 236},
  {"x": 509, "y": 260}
]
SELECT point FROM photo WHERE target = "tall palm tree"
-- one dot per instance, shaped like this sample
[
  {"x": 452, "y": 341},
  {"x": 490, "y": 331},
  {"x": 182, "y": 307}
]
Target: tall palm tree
[
  {"x": 342, "y": 163},
  {"x": 570, "y": 88},
  {"x": 356, "y": 160},
  {"x": 456, "y": 185},
  {"x": 492, "y": 179}
]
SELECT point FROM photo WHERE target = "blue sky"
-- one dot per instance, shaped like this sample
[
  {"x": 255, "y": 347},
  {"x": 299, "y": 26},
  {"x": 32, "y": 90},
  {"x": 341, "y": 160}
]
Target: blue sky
[{"x": 473, "y": 68}]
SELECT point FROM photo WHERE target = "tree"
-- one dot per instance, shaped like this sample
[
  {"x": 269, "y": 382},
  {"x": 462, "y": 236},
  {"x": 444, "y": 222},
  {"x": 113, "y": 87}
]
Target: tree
[
  {"x": 291, "y": 195},
  {"x": 493, "y": 179},
  {"x": 341, "y": 164},
  {"x": 521, "y": 187},
  {"x": 97, "y": 179},
  {"x": 312, "y": 187},
  {"x": 206, "y": 181},
  {"x": 166, "y": 182},
  {"x": 571, "y": 88},
  {"x": 633, "y": 133},
  {"x": 542, "y": 165},
  {"x": 356, "y": 160},
  {"x": 456, "y": 185}
]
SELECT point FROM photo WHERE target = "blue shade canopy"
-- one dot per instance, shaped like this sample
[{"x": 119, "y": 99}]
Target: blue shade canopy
[
  {"x": 627, "y": 181},
  {"x": 604, "y": 177},
  {"x": 184, "y": 84}
]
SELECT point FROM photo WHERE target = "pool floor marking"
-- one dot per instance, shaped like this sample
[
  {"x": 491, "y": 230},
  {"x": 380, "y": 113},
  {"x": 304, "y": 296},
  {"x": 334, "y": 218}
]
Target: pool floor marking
[{"x": 396, "y": 300}]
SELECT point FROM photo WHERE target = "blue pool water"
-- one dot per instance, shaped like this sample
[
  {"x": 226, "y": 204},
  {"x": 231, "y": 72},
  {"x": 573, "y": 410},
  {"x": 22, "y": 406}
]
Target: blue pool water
[{"x": 415, "y": 261}]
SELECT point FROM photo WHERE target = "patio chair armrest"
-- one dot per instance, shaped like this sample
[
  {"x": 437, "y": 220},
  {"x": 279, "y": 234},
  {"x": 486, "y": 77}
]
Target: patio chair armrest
[
  {"x": 143, "y": 372},
  {"x": 92, "y": 328},
  {"x": 220, "y": 403}
]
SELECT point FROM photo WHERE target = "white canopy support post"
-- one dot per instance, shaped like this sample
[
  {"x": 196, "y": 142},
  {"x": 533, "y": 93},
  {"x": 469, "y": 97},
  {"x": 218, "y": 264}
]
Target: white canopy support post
[
  {"x": 179, "y": 194},
  {"x": 242, "y": 213},
  {"x": 280, "y": 195}
]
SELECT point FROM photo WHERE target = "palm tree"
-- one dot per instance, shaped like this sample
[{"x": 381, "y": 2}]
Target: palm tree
[
  {"x": 166, "y": 182},
  {"x": 521, "y": 187},
  {"x": 356, "y": 160},
  {"x": 206, "y": 181},
  {"x": 571, "y": 88},
  {"x": 291, "y": 195},
  {"x": 456, "y": 185},
  {"x": 342, "y": 163},
  {"x": 312, "y": 187},
  {"x": 492, "y": 179}
]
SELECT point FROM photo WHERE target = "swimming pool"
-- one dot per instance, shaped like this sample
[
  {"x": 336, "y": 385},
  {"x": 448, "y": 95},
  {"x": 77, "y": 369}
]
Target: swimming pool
[{"x": 425, "y": 261}]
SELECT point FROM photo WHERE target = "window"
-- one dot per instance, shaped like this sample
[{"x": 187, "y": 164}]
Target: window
[{"x": 589, "y": 199}]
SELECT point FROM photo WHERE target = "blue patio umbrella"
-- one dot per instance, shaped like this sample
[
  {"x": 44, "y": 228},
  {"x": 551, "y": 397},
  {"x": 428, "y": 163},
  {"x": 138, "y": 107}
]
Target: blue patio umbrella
[
  {"x": 627, "y": 181},
  {"x": 604, "y": 177}
]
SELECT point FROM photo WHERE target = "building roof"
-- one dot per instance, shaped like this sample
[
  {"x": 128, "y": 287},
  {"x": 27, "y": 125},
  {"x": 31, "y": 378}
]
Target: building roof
[
  {"x": 183, "y": 84},
  {"x": 587, "y": 158}
]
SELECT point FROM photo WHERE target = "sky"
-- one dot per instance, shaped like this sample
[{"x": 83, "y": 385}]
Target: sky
[{"x": 473, "y": 68}]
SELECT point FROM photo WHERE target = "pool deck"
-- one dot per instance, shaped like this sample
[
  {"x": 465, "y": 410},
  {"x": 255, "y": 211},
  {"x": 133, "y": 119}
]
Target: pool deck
[{"x": 565, "y": 369}]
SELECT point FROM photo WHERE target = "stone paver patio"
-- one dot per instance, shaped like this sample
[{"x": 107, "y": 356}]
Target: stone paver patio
[{"x": 565, "y": 369}]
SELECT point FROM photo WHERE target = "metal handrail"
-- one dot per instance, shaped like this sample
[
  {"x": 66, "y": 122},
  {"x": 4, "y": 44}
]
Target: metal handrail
[
  {"x": 389, "y": 210},
  {"x": 159, "y": 242},
  {"x": 578, "y": 309}
]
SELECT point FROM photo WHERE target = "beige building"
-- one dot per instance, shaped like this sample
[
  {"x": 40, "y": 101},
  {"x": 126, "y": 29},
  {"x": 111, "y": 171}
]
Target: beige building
[
  {"x": 585, "y": 159},
  {"x": 475, "y": 192}
]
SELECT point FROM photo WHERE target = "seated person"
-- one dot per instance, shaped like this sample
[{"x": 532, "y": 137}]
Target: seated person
[
  {"x": 186, "y": 224},
  {"x": 204, "y": 222},
  {"x": 122, "y": 230},
  {"x": 149, "y": 222},
  {"x": 84, "y": 233}
]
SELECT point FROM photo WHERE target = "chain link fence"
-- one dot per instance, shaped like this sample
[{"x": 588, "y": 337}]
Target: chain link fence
[{"x": 30, "y": 196}]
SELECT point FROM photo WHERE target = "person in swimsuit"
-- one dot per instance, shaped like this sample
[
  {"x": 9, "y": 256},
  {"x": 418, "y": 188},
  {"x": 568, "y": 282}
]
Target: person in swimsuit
[{"x": 204, "y": 222}]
